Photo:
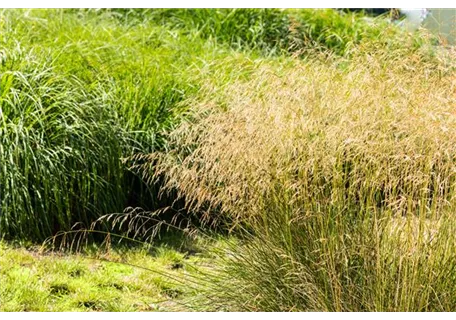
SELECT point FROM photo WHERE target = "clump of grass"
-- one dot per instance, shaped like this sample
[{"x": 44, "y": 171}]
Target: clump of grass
[
  {"x": 60, "y": 151},
  {"x": 341, "y": 178},
  {"x": 338, "y": 32},
  {"x": 262, "y": 29},
  {"x": 79, "y": 92}
]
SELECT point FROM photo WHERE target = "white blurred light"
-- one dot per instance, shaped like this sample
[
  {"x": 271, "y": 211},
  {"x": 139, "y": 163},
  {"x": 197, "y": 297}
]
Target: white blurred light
[{"x": 414, "y": 17}]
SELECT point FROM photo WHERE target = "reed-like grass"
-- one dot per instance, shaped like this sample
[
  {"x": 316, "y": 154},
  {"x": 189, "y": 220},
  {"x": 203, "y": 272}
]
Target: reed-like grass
[
  {"x": 80, "y": 91},
  {"x": 340, "y": 176},
  {"x": 60, "y": 152}
]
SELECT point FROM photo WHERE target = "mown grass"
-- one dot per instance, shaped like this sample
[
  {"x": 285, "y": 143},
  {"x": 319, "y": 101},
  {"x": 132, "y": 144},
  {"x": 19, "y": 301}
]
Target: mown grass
[{"x": 101, "y": 278}]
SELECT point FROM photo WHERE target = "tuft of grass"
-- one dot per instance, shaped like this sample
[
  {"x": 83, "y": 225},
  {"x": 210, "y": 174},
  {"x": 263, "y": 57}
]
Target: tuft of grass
[{"x": 340, "y": 177}]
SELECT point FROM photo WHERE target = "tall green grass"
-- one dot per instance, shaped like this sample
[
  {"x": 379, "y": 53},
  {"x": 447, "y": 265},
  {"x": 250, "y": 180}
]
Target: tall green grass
[
  {"x": 80, "y": 91},
  {"x": 60, "y": 152},
  {"x": 272, "y": 31}
]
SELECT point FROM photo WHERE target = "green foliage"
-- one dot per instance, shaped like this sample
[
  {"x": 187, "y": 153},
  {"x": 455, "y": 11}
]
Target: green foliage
[
  {"x": 321, "y": 164},
  {"x": 80, "y": 92},
  {"x": 337, "y": 31},
  {"x": 262, "y": 29},
  {"x": 60, "y": 152},
  {"x": 273, "y": 31}
]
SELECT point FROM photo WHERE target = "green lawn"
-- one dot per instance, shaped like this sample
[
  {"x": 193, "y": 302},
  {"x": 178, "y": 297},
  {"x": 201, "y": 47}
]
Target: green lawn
[{"x": 120, "y": 279}]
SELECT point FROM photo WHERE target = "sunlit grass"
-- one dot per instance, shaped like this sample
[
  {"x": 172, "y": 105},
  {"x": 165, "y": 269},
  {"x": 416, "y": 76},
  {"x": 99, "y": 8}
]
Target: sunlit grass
[
  {"x": 341, "y": 176},
  {"x": 118, "y": 278},
  {"x": 324, "y": 140},
  {"x": 79, "y": 92}
]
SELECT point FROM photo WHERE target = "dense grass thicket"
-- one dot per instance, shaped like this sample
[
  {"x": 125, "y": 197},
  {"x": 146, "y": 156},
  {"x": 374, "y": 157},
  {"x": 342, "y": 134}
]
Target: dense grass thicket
[
  {"x": 83, "y": 89},
  {"x": 79, "y": 92},
  {"x": 323, "y": 139}
]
